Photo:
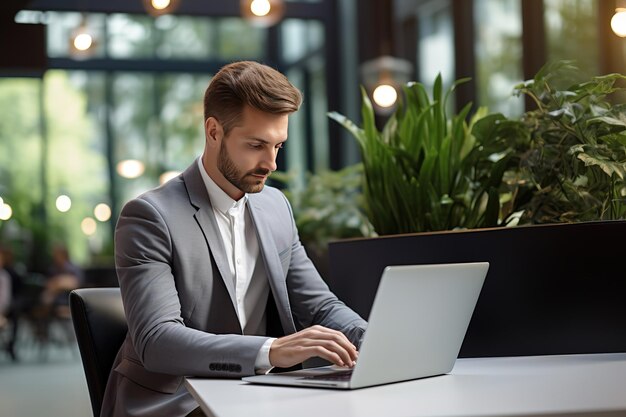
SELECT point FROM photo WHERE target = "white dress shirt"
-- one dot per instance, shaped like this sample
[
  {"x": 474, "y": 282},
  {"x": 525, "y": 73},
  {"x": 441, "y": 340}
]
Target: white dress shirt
[{"x": 247, "y": 270}]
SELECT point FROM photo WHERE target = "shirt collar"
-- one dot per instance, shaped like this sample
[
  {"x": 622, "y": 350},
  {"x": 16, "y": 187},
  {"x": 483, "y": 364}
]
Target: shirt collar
[{"x": 219, "y": 199}]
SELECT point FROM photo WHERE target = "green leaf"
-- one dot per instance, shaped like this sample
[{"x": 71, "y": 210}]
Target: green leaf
[
  {"x": 608, "y": 167},
  {"x": 492, "y": 209},
  {"x": 358, "y": 133},
  {"x": 367, "y": 113},
  {"x": 486, "y": 129},
  {"x": 617, "y": 120}
]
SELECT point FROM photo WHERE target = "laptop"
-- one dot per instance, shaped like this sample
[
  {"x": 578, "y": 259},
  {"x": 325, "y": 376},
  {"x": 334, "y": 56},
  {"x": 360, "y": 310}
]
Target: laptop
[{"x": 416, "y": 327}]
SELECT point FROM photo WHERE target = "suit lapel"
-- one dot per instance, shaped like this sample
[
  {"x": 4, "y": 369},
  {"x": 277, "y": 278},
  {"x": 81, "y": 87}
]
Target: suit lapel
[
  {"x": 199, "y": 198},
  {"x": 274, "y": 271}
]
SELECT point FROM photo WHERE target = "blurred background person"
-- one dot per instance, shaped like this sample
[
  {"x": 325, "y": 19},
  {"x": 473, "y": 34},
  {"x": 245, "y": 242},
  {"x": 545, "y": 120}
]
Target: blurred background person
[
  {"x": 63, "y": 276},
  {"x": 17, "y": 302},
  {"x": 5, "y": 293}
]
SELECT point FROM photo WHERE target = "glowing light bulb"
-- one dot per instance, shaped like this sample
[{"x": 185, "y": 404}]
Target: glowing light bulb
[
  {"x": 5, "y": 211},
  {"x": 102, "y": 212},
  {"x": 130, "y": 168},
  {"x": 88, "y": 226},
  {"x": 385, "y": 95},
  {"x": 63, "y": 203},
  {"x": 160, "y": 4},
  {"x": 618, "y": 22},
  {"x": 260, "y": 7},
  {"x": 83, "y": 41}
]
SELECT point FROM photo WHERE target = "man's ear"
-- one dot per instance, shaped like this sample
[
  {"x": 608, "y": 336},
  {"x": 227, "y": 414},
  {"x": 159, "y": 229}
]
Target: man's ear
[{"x": 213, "y": 132}]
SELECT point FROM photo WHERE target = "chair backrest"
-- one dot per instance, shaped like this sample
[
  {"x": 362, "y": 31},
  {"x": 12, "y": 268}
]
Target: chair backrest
[{"x": 100, "y": 326}]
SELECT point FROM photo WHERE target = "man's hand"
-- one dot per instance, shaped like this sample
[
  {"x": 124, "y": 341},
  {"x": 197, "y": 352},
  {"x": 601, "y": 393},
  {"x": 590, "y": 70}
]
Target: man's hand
[{"x": 326, "y": 343}]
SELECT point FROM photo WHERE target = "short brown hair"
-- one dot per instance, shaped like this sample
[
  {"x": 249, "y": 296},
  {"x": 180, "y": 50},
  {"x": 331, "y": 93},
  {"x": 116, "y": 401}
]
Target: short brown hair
[{"x": 248, "y": 83}]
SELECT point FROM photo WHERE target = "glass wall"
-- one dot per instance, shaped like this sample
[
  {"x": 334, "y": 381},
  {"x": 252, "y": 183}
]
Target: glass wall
[
  {"x": 572, "y": 32},
  {"x": 143, "y": 102},
  {"x": 156, "y": 119},
  {"x": 498, "y": 49},
  {"x": 436, "y": 44},
  {"x": 51, "y": 154},
  {"x": 302, "y": 51},
  {"x": 21, "y": 165},
  {"x": 60, "y": 27},
  {"x": 168, "y": 37}
]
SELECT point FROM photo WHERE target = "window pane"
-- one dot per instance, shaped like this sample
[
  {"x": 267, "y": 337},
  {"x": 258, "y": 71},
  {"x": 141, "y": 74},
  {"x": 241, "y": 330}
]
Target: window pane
[
  {"x": 300, "y": 37},
  {"x": 319, "y": 109},
  {"x": 20, "y": 149},
  {"x": 316, "y": 36},
  {"x": 60, "y": 29},
  {"x": 181, "y": 119},
  {"x": 135, "y": 129},
  {"x": 239, "y": 40},
  {"x": 159, "y": 121},
  {"x": 311, "y": 81},
  {"x": 183, "y": 37},
  {"x": 436, "y": 46},
  {"x": 295, "y": 147},
  {"x": 76, "y": 161},
  {"x": 572, "y": 32},
  {"x": 293, "y": 34},
  {"x": 130, "y": 36},
  {"x": 498, "y": 54}
]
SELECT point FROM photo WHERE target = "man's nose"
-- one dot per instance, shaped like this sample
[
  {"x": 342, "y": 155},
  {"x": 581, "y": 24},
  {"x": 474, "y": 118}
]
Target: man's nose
[{"x": 269, "y": 160}]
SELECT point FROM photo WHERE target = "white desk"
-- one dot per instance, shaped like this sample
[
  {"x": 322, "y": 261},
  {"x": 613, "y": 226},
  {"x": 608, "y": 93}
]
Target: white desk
[{"x": 582, "y": 385}]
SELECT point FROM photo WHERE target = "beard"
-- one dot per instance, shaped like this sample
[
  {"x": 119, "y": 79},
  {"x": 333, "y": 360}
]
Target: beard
[{"x": 245, "y": 182}]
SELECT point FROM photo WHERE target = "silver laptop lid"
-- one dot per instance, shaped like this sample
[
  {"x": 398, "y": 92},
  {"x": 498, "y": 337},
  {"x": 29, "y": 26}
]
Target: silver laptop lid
[{"x": 418, "y": 321}]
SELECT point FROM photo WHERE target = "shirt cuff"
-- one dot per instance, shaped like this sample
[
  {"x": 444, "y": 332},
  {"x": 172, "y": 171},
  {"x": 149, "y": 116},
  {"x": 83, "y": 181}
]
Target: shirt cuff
[{"x": 262, "y": 363}]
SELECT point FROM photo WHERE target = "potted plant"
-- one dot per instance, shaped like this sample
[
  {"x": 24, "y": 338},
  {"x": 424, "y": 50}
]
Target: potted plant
[
  {"x": 575, "y": 160},
  {"x": 428, "y": 171}
]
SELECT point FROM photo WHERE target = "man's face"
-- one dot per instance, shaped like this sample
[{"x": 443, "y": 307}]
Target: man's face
[{"x": 247, "y": 155}]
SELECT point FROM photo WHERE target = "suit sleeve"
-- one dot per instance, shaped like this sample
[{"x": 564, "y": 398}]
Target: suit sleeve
[
  {"x": 312, "y": 302},
  {"x": 160, "y": 338}
]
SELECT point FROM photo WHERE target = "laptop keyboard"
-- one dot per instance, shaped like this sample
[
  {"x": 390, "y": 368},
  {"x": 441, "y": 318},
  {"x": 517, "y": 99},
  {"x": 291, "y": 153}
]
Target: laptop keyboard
[{"x": 335, "y": 376}]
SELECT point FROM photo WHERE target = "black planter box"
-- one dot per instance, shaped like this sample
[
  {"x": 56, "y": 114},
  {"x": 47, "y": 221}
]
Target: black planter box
[{"x": 553, "y": 289}]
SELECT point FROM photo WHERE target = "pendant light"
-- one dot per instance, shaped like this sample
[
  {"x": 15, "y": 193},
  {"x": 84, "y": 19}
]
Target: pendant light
[
  {"x": 384, "y": 75},
  {"x": 82, "y": 41},
  {"x": 160, "y": 7},
  {"x": 618, "y": 22},
  {"x": 262, "y": 13}
]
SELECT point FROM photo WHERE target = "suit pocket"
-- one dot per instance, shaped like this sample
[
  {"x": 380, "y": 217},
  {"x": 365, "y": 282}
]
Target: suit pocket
[{"x": 163, "y": 383}]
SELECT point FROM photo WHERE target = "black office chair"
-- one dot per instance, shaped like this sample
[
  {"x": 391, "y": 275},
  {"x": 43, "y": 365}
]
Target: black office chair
[{"x": 100, "y": 326}]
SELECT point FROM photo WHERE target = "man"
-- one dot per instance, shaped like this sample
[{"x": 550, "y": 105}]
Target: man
[{"x": 210, "y": 264}]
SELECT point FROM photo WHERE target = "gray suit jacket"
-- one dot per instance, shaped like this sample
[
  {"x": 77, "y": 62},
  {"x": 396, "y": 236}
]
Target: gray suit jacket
[{"x": 182, "y": 319}]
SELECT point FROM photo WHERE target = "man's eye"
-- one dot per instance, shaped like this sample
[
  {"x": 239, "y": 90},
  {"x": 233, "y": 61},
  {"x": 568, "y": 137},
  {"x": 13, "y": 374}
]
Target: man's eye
[
  {"x": 256, "y": 146},
  {"x": 280, "y": 146}
]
